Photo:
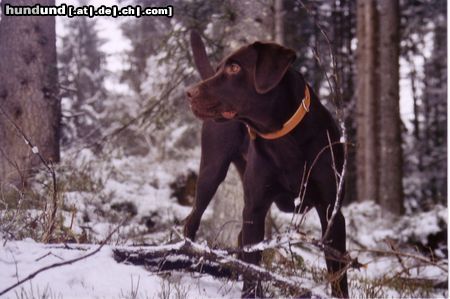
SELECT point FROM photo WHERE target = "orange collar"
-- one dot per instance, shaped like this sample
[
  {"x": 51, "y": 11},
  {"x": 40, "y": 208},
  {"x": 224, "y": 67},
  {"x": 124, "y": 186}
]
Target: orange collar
[{"x": 289, "y": 125}]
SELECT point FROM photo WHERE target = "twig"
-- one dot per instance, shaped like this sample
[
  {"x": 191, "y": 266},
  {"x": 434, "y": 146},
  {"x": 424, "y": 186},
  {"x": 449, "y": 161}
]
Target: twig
[
  {"x": 337, "y": 203},
  {"x": 48, "y": 164},
  {"x": 222, "y": 229},
  {"x": 12, "y": 221},
  {"x": 399, "y": 258},
  {"x": 299, "y": 205},
  {"x": 55, "y": 265},
  {"x": 404, "y": 254},
  {"x": 27, "y": 140},
  {"x": 337, "y": 176},
  {"x": 337, "y": 99},
  {"x": 48, "y": 254}
]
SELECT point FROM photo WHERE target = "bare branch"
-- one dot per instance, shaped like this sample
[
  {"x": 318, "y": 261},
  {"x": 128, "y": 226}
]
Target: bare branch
[
  {"x": 335, "y": 89},
  {"x": 49, "y": 165},
  {"x": 420, "y": 258},
  {"x": 55, "y": 265}
]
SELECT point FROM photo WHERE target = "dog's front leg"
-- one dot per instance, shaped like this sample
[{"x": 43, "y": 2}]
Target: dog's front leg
[
  {"x": 210, "y": 177},
  {"x": 215, "y": 161}
]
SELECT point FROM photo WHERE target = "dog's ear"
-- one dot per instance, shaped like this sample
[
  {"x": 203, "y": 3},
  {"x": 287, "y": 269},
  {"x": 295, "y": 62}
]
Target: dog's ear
[
  {"x": 200, "y": 58},
  {"x": 272, "y": 63}
]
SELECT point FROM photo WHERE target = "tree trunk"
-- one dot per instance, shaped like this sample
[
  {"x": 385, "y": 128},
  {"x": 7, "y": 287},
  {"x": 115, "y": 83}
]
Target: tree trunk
[
  {"x": 366, "y": 156},
  {"x": 371, "y": 97},
  {"x": 278, "y": 37},
  {"x": 28, "y": 92},
  {"x": 390, "y": 162},
  {"x": 279, "y": 22},
  {"x": 360, "y": 91}
]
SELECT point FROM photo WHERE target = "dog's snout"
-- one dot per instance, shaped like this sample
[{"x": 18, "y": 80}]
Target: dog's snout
[{"x": 192, "y": 92}]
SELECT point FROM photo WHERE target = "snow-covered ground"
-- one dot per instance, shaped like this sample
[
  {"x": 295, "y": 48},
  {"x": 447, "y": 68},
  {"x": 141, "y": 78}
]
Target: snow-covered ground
[
  {"x": 131, "y": 180},
  {"x": 140, "y": 186},
  {"x": 98, "y": 276}
]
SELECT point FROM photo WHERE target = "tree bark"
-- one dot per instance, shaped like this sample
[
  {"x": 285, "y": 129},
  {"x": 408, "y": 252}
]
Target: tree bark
[
  {"x": 371, "y": 97},
  {"x": 28, "y": 92},
  {"x": 279, "y": 22},
  {"x": 367, "y": 86},
  {"x": 360, "y": 91},
  {"x": 390, "y": 162}
]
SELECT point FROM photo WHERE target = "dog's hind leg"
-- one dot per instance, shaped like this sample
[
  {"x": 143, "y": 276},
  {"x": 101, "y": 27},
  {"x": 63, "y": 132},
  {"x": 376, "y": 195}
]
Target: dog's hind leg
[{"x": 335, "y": 241}]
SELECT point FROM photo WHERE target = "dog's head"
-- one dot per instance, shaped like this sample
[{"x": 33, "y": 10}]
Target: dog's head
[{"x": 242, "y": 80}]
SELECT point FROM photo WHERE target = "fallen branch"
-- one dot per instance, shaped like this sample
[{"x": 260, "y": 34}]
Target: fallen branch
[
  {"x": 55, "y": 265},
  {"x": 189, "y": 256}
]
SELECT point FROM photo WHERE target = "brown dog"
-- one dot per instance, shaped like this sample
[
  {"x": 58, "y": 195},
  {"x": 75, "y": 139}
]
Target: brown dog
[{"x": 290, "y": 130}]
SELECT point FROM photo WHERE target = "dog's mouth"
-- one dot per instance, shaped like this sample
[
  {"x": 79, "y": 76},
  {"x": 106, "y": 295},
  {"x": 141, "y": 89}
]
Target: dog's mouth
[
  {"x": 215, "y": 111},
  {"x": 202, "y": 114},
  {"x": 229, "y": 114}
]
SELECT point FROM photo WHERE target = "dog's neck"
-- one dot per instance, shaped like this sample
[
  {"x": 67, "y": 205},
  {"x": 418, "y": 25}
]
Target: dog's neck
[
  {"x": 288, "y": 103},
  {"x": 285, "y": 99}
]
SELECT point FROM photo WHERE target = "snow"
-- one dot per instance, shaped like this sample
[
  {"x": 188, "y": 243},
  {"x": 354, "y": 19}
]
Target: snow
[
  {"x": 368, "y": 228},
  {"x": 98, "y": 276}
]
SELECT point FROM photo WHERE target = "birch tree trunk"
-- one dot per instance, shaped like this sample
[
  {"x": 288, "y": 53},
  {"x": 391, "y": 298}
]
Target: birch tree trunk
[{"x": 28, "y": 92}]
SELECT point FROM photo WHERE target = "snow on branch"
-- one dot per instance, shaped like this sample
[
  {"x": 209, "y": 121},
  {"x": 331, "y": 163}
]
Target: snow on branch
[{"x": 189, "y": 256}]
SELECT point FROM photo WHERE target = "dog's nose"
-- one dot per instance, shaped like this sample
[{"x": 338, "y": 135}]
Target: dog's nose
[{"x": 192, "y": 92}]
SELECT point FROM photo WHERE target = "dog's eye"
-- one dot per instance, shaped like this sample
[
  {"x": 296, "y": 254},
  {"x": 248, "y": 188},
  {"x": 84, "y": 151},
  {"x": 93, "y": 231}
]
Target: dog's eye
[{"x": 233, "y": 68}]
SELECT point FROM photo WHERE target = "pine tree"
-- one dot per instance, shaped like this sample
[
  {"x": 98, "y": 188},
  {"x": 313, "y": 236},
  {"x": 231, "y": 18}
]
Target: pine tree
[
  {"x": 82, "y": 78},
  {"x": 434, "y": 112},
  {"x": 426, "y": 141},
  {"x": 145, "y": 36}
]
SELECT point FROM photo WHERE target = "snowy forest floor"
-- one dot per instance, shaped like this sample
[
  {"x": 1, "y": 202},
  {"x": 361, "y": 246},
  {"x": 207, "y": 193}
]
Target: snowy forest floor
[{"x": 96, "y": 194}]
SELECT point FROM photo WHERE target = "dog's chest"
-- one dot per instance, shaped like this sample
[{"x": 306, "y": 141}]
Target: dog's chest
[{"x": 287, "y": 164}]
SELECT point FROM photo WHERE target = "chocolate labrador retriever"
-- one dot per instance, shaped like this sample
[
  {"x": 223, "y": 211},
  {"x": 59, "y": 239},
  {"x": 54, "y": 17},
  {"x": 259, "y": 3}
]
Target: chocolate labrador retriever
[{"x": 289, "y": 129}]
